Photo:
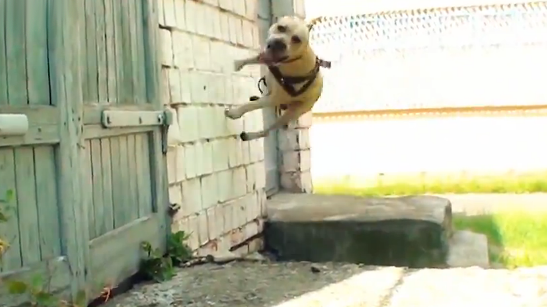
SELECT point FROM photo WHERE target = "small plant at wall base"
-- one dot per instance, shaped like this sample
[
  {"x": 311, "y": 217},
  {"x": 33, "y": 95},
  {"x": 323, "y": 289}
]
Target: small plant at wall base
[
  {"x": 37, "y": 289},
  {"x": 161, "y": 267}
]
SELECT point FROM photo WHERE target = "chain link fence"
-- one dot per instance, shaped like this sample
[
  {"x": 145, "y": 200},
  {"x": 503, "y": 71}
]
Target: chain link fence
[{"x": 492, "y": 55}]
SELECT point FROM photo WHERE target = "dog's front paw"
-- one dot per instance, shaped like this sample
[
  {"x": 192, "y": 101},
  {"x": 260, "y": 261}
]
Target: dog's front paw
[
  {"x": 238, "y": 65},
  {"x": 244, "y": 136},
  {"x": 232, "y": 113}
]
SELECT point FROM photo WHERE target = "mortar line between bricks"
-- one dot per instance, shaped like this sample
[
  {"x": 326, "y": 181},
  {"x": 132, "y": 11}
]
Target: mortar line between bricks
[
  {"x": 223, "y": 10},
  {"x": 212, "y": 72},
  {"x": 219, "y": 171},
  {"x": 208, "y": 140},
  {"x": 224, "y": 202},
  {"x": 202, "y": 104},
  {"x": 211, "y": 38}
]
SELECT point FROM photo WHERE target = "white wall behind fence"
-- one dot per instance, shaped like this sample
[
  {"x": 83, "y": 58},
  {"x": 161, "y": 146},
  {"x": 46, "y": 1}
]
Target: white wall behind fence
[{"x": 447, "y": 144}]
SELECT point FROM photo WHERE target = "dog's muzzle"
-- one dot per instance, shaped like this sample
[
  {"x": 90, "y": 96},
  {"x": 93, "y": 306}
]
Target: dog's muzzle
[{"x": 276, "y": 46}]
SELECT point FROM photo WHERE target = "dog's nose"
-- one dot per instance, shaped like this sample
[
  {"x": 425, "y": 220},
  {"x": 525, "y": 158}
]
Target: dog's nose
[{"x": 277, "y": 45}]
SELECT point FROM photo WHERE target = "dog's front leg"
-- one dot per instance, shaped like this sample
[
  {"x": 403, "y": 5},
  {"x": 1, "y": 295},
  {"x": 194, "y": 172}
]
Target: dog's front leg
[
  {"x": 239, "y": 64},
  {"x": 260, "y": 103},
  {"x": 293, "y": 112}
]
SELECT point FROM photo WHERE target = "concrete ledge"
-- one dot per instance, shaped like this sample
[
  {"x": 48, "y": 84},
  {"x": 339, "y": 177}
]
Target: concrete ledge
[
  {"x": 468, "y": 249},
  {"x": 411, "y": 231}
]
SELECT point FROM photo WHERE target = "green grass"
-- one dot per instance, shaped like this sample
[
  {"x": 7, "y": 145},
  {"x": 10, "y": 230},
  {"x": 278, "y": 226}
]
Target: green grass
[
  {"x": 434, "y": 184},
  {"x": 516, "y": 239}
]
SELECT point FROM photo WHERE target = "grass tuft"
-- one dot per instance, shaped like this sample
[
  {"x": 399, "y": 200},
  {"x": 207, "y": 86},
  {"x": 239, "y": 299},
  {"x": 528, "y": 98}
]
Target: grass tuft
[
  {"x": 515, "y": 238},
  {"x": 383, "y": 185}
]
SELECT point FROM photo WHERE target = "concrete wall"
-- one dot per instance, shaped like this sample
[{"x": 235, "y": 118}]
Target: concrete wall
[
  {"x": 217, "y": 179},
  {"x": 480, "y": 144}
]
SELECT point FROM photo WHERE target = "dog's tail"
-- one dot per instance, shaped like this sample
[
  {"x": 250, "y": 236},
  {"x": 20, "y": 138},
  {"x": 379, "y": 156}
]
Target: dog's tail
[{"x": 315, "y": 21}]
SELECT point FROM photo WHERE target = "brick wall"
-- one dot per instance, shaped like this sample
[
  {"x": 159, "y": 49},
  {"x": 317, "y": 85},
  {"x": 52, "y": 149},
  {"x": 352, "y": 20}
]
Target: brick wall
[{"x": 217, "y": 179}]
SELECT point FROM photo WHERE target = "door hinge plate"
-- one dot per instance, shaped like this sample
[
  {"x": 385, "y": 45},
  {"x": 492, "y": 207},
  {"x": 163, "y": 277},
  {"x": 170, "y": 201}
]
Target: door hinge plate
[{"x": 124, "y": 119}]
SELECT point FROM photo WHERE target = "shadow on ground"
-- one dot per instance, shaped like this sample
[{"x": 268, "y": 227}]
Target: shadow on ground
[{"x": 243, "y": 284}]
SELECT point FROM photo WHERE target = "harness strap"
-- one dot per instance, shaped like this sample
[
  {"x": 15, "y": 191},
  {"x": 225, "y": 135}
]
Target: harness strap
[{"x": 288, "y": 82}]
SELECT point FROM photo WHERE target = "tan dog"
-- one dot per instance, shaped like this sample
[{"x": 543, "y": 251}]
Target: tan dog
[{"x": 294, "y": 80}]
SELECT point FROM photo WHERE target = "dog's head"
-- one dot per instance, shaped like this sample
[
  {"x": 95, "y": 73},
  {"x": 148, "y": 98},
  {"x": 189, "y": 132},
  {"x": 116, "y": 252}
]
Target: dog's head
[{"x": 287, "y": 39}]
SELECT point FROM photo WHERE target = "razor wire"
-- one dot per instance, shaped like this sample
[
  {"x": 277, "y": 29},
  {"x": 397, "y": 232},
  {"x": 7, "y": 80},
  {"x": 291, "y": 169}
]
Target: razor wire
[{"x": 492, "y": 55}]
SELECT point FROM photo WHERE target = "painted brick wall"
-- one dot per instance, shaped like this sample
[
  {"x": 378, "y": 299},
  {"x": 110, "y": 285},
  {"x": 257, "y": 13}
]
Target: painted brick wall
[{"x": 217, "y": 179}]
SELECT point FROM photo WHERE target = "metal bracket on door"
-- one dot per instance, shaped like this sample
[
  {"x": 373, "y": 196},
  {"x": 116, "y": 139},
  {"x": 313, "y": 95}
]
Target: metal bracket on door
[
  {"x": 167, "y": 121},
  {"x": 126, "y": 119}
]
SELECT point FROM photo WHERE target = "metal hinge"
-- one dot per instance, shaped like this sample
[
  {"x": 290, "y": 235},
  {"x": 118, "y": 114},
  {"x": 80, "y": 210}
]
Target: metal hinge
[
  {"x": 167, "y": 121},
  {"x": 125, "y": 119}
]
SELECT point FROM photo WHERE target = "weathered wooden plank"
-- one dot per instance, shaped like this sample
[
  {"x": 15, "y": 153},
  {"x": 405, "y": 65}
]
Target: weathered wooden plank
[
  {"x": 57, "y": 268},
  {"x": 124, "y": 213},
  {"x": 106, "y": 179},
  {"x": 90, "y": 83},
  {"x": 126, "y": 22},
  {"x": 132, "y": 167},
  {"x": 102, "y": 65},
  {"x": 158, "y": 160},
  {"x": 97, "y": 176},
  {"x": 131, "y": 20},
  {"x": 3, "y": 63},
  {"x": 43, "y": 129},
  {"x": 152, "y": 63},
  {"x": 148, "y": 200},
  {"x": 88, "y": 189},
  {"x": 37, "y": 134},
  {"x": 140, "y": 69},
  {"x": 11, "y": 260},
  {"x": 65, "y": 31},
  {"x": 46, "y": 196},
  {"x": 37, "y": 115},
  {"x": 98, "y": 131},
  {"x": 117, "y": 13},
  {"x": 27, "y": 205},
  {"x": 117, "y": 255},
  {"x": 15, "y": 52},
  {"x": 117, "y": 186},
  {"x": 110, "y": 52},
  {"x": 36, "y": 48},
  {"x": 143, "y": 175}
]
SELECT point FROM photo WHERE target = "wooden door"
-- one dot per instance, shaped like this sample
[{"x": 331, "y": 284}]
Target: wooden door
[
  {"x": 40, "y": 165},
  {"x": 89, "y": 175},
  {"x": 124, "y": 124}
]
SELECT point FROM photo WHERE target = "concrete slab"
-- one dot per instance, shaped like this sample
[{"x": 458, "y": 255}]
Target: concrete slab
[
  {"x": 293, "y": 284},
  {"x": 468, "y": 249},
  {"x": 408, "y": 231}
]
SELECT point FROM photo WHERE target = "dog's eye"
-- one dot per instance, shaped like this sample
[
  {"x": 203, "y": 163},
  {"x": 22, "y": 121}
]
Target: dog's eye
[
  {"x": 281, "y": 28},
  {"x": 295, "y": 39}
]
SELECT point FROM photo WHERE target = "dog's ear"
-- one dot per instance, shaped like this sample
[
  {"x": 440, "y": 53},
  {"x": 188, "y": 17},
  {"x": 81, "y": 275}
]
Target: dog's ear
[{"x": 313, "y": 22}]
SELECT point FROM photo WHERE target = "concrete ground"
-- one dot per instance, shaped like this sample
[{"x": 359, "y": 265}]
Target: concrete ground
[
  {"x": 295, "y": 284},
  {"x": 299, "y": 284}
]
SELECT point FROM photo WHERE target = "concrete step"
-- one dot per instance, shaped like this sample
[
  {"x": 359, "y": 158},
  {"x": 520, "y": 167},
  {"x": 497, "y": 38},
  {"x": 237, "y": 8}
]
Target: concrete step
[
  {"x": 411, "y": 231},
  {"x": 468, "y": 249}
]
